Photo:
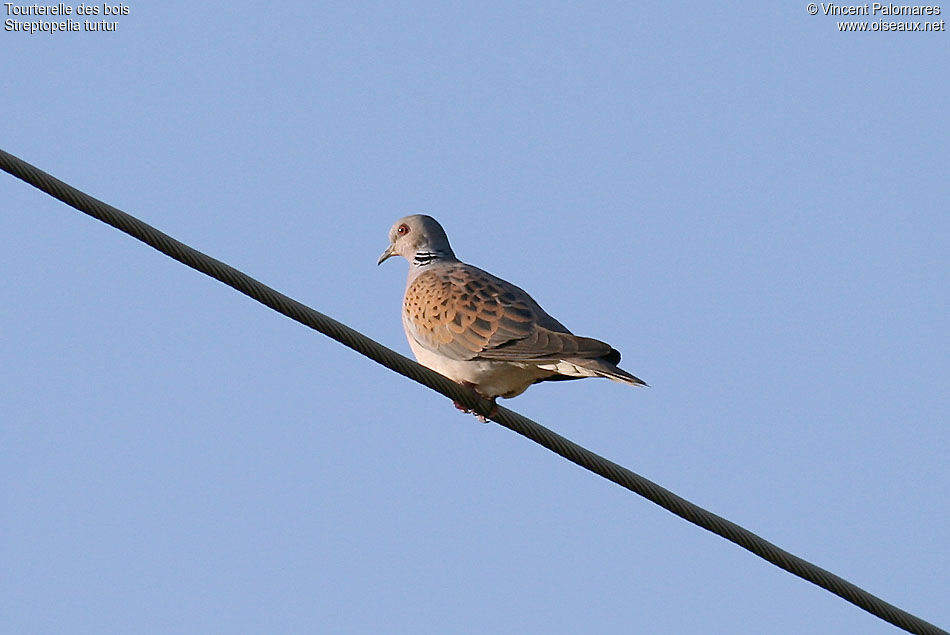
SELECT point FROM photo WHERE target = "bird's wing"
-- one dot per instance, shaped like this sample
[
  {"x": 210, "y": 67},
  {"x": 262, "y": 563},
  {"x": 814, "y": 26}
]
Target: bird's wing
[{"x": 464, "y": 313}]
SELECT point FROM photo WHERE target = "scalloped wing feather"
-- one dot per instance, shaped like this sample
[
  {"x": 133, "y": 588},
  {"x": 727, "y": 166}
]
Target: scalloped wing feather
[{"x": 465, "y": 313}]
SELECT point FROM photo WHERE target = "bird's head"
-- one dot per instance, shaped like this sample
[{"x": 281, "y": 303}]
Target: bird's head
[{"x": 419, "y": 239}]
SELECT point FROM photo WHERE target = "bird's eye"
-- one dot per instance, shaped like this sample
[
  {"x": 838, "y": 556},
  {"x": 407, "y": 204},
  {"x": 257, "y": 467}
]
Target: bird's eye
[{"x": 402, "y": 230}]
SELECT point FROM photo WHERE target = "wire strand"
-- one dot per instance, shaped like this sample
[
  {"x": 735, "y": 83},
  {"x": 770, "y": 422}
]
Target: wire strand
[{"x": 507, "y": 418}]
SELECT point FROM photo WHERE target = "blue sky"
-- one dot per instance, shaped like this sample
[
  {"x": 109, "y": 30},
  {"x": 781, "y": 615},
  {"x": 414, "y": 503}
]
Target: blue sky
[{"x": 748, "y": 204}]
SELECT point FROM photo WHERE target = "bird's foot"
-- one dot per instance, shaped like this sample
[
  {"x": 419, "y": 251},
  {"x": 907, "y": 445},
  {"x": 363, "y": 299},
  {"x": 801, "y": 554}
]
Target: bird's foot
[{"x": 482, "y": 418}]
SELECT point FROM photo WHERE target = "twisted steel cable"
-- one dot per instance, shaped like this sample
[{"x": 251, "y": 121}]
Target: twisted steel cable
[{"x": 508, "y": 418}]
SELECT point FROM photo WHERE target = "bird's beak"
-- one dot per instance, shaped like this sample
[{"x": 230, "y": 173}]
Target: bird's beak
[{"x": 389, "y": 253}]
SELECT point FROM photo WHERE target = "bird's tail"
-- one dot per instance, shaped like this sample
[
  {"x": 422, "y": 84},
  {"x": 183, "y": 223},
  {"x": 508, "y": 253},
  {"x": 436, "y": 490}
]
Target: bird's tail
[{"x": 598, "y": 367}]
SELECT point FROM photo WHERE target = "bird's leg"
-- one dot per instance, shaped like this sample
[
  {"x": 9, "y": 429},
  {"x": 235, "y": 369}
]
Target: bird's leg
[
  {"x": 491, "y": 413},
  {"x": 481, "y": 418}
]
